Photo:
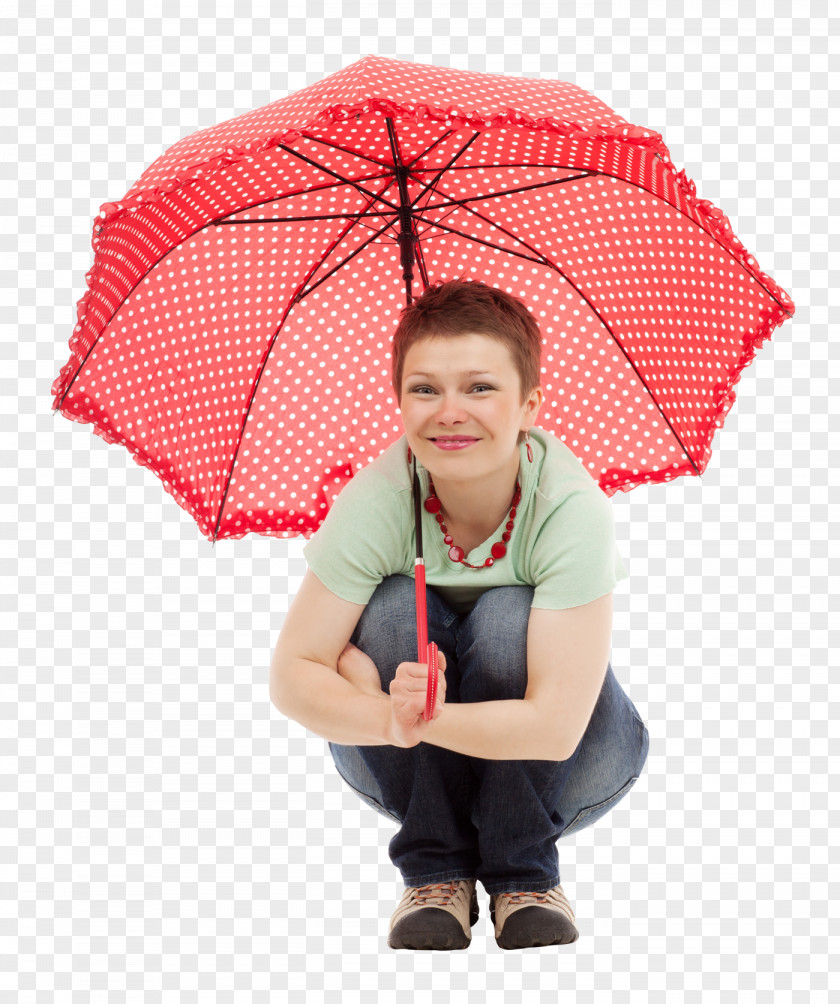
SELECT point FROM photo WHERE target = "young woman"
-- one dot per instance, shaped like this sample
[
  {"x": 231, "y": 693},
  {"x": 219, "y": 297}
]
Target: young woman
[{"x": 532, "y": 736}]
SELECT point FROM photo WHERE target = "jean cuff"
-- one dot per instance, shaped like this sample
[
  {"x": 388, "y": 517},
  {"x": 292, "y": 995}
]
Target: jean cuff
[
  {"x": 456, "y": 875},
  {"x": 496, "y": 887}
]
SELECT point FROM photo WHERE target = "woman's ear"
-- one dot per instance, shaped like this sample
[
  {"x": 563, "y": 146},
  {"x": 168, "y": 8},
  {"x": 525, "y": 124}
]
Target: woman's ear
[{"x": 532, "y": 405}]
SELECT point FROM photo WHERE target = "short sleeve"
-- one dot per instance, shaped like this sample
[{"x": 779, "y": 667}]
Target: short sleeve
[
  {"x": 361, "y": 541},
  {"x": 575, "y": 559}
]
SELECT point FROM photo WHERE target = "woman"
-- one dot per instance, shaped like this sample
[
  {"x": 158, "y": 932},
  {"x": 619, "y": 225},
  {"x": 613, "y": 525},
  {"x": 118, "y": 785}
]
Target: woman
[{"x": 532, "y": 736}]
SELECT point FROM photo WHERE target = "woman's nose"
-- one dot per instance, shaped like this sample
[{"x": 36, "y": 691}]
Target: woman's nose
[{"x": 450, "y": 407}]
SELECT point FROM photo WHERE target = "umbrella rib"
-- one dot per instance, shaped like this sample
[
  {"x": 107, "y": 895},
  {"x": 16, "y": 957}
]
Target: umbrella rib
[
  {"x": 510, "y": 191},
  {"x": 347, "y": 181},
  {"x": 455, "y": 204},
  {"x": 217, "y": 222},
  {"x": 441, "y": 171},
  {"x": 421, "y": 264},
  {"x": 431, "y": 188},
  {"x": 525, "y": 188},
  {"x": 493, "y": 167},
  {"x": 296, "y": 298},
  {"x": 625, "y": 181},
  {"x": 220, "y": 220},
  {"x": 550, "y": 264},
  {"x": 471, "y": 237},
  {"x": 440, "y": 218},
  {"x": 301, "y": 296},
  {"x": 296, "y": 219},
  {"x": 430, "y": 147}
]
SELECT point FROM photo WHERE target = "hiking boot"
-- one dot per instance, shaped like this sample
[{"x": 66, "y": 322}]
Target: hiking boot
[
  {"x": 533, "y": 919},
  {"x": 437, "y": 917}
]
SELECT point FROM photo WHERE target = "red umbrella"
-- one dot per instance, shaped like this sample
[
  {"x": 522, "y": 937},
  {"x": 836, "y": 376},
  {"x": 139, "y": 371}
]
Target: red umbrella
[{"x": 234, "y": 334}]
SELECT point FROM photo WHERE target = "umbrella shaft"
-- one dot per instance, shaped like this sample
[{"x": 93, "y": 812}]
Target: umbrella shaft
[
  {"x": 420, "y": 609},
  {"x": 406, "y": 237}
]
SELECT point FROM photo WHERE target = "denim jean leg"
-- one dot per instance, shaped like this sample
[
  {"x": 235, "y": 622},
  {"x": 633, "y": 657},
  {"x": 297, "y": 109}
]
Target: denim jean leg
[
  {"x": 517, "y": 810},
  {"x": 428, "y": 788},
  {"x": 610, "y": 758}
]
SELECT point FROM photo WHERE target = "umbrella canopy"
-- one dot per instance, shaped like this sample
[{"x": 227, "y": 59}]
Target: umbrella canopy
[{"x": 235, "y": 332}]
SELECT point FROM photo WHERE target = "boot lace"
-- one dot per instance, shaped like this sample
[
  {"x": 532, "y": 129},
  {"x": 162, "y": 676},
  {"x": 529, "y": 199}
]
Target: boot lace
[
  {"x": 436, "y": 894},
  {"x": 553, "y": 898},
  {"x": 527, "y": 897}
]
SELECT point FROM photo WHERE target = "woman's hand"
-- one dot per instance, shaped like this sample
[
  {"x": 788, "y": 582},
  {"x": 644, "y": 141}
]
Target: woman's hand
[
  {"x": 359, "y": 669},
  {"x": 408, "y": 701}
]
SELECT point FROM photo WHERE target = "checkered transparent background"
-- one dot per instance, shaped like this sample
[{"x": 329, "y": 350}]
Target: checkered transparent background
[{"x": 166, "y": 834}]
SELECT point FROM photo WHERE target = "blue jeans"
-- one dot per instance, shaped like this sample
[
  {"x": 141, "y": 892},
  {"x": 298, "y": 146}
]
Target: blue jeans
[{"x": 465, "y": 817}]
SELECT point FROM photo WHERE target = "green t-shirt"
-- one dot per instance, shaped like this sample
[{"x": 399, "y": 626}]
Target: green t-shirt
[{"x": 563, "y": 541}]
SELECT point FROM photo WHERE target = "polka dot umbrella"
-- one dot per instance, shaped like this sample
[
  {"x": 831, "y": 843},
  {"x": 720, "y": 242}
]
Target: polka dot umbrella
[{"x": 235, "y": 332}]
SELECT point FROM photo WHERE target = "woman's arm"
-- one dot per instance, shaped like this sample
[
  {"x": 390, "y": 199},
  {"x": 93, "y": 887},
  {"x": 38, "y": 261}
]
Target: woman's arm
[
  {"x": 305, "y": 683},
  {"x": 568, "y": 652},
  {"x": 331, "y": 706}
]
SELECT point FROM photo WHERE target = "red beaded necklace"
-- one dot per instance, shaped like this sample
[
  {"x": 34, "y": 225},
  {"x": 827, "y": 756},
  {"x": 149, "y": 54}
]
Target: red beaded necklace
[{"x": 456, "y": 553}]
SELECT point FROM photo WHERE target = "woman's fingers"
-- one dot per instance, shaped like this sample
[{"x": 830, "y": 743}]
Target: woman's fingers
[
  {"x": 408, "y": 696},
  {"x": 412, "y": 672}
]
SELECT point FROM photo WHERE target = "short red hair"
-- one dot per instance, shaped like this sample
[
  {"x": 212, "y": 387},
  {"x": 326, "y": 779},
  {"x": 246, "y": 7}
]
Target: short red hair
[{"x": 467, "y": 306}]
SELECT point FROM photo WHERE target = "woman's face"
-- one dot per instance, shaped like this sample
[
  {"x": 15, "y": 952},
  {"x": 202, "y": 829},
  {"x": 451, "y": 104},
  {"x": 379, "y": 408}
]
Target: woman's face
[{"x": 443, "y": 399}]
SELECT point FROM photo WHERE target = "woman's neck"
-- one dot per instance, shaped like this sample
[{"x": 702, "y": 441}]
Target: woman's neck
[{"x": 479, "y": 504}]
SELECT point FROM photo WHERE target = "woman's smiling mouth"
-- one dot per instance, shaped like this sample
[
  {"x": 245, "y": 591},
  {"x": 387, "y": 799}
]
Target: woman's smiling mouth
[{"x": 453, "y": 443}]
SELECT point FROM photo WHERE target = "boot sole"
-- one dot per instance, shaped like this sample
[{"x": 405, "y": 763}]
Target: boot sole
[{"x": 536, "y": 927}]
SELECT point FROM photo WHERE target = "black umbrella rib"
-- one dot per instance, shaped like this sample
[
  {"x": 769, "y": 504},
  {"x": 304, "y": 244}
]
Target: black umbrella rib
[
  {"x": 430, "y": 189},
  {"x": 430, "y": 147},
  {"x": 299, "y": 296},
  {"x": 297, "y": 219},
  {"x": 442, "y": 170},
  {"x": 493, "y": 166},
  {"x": 344, "y": 149},
  {"x": 540, "y": 259},
  {"x": 172, "y": 250},
  {"x": 550, "y": 264},
  {"x": 261, "y": 368},
  {"x": 625, "y": 181},
  {"x": 471, "y": 237},
  {"x": 220, "y": 220},
  {"x": 458, "y": 203},
  {"x": 509, "y": 191},
  {"x": 347, "y": 181},
  {"x": 462, "y": 203},
  {"x": 341, "y": 264}
]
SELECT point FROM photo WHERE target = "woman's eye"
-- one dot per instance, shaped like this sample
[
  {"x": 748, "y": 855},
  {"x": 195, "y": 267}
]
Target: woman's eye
[{"x": 478, "y": 386}]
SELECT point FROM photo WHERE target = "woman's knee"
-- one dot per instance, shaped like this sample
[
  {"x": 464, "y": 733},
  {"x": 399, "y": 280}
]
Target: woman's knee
[
  {"x": 391, "y": 600},
  {"x": 386, "y": 630},
  {"x": 493, "y": 645}
]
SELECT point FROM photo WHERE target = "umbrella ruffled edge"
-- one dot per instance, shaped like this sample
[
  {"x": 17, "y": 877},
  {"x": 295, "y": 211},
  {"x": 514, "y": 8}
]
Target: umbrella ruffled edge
[
  {"x": 635, "y": 135},
  {"x": 141, "y": 460},
  {"x": 725, "y": 405}
]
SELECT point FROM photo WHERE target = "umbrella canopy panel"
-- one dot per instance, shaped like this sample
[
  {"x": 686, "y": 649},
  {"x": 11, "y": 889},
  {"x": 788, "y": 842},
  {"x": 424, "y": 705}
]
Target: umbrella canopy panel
[{"x": 235, "y": 336}]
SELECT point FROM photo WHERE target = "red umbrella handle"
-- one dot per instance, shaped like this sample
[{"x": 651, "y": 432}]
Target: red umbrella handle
[
  {"x": 426, "y": 650},
  {"x": 431, "y": 684}
]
